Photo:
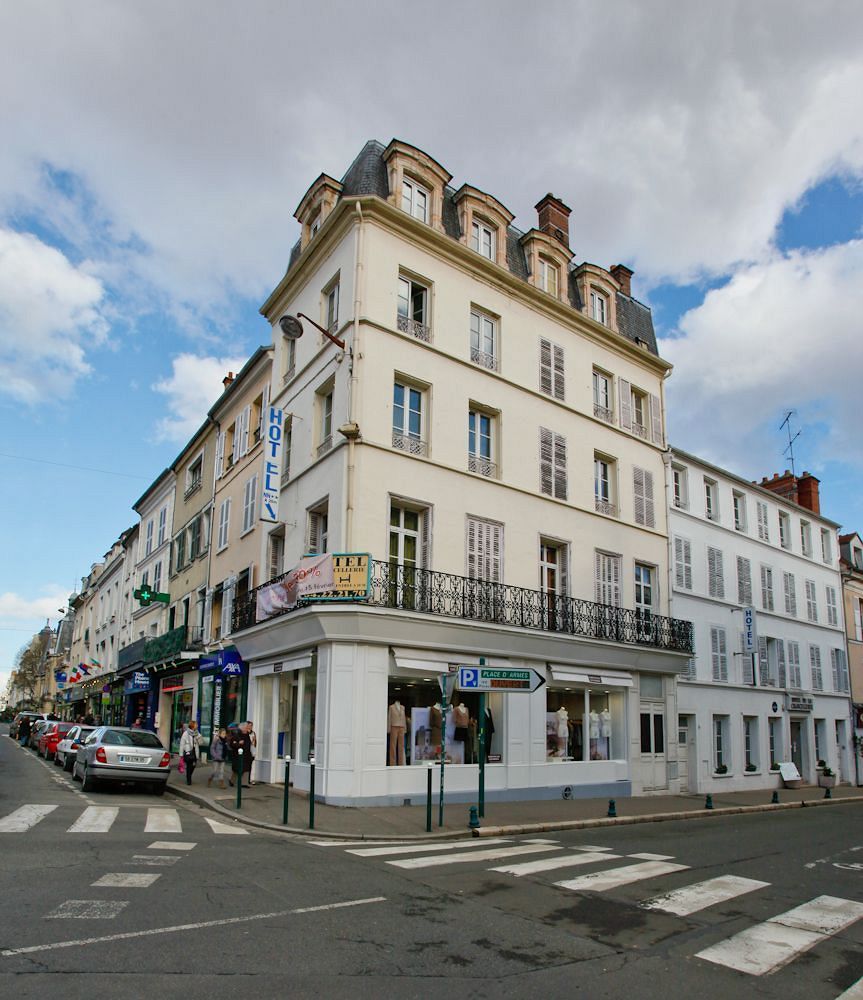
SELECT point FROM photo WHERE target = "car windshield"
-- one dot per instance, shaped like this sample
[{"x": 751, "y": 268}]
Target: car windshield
[{"x": 134, "y": 738}]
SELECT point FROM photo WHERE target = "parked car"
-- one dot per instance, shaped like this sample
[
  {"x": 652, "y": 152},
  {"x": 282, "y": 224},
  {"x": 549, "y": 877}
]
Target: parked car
[
  {"x": 67, "y": 748},
  {"x": 16, "y": 722},
  {"x": 120, "y": 754},
  {"x": 50, "y": 737},
  {"x": 36, "y": 731}
]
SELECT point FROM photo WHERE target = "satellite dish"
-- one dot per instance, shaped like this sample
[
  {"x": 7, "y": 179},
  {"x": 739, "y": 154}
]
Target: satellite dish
[{"x": 292, "y": 328}]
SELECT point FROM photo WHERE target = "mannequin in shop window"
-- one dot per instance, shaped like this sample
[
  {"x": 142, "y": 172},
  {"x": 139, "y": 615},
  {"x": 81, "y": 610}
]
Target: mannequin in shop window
[
  {"x": 396, "y": 724},
  {"x": 435, "y": 725},
  {"x": 461, "y": 721},
  {"x": 489, "y": 732},
  {"x": 594, "y": 725},
  {"x": 605, "y": 723},
  {"x": 562, "y": 731}
]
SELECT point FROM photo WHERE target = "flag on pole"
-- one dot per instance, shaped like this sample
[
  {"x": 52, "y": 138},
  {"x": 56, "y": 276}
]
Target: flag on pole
[{"x": 94, "y": 662}]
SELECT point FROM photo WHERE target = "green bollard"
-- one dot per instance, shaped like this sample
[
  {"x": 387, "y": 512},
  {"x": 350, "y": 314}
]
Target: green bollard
[
  {"x": 240, "y": 779},
  {"x": 287, "y": 786},
  {"x": 429, "y": 798},
  {"x": 774, "y": 801},
  {"x": 312, "y": 792},
  {"x": 473, "y": 822},
  {"x": 828, "y": 794},
  {"x": 612, "y": 809},
  {"x": 708, "y": 802}
]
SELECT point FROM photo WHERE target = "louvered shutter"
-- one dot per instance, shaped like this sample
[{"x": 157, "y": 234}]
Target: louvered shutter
[
  {"x": 208, "y": 614},
  {"x": 546, "y": 458},
  {"x": 314, "y": 532},
  {"x": 766, "y": 588},
  {"x": 746, "y": 662},
  {"x": 719, "y": 654},
  {"x": 546, "y": 381},
  {"x": 715, "y": 573},
  {"x": 597, "y": 578},
  {"x": 834, "y": 663},
  {"x": 425, "y": 539},
  {"x": 496, "y": 575},
  {"x": 227, "y": 604},
  {"x": 762, "y": 521},
  {"x": 559, "y": 379},
  {"x": 780, "y": 659},
  {"x": 560, "y": 484},
  {"x": 763, "y": 663},
  {"x": 649, "y": 507},
  {"x": 858, "y": 621},
  {"x": 683, "y": 563},
  {"x": 638, "y": 494},
  {"x": 220, "y": 453},
  {"x": 656, "y": 419},
  {"x": 563, "y": 569},
  {"x": 625, "y": 397},
  {"x": 265, "y": 405},
  {"x": 744, "y": 581},
  {"x": 794, "y": 664},
  {"x": 790, "y": 594},
  {"x": 247, "y": 416}
]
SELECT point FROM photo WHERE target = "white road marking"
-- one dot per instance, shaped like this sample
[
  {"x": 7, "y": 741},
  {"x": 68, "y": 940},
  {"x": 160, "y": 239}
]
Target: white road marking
[
  {"x": 155, "y": 859},
  {"x": 558, "y": 861},
  {"x": 171, "y": 845},
  {"x": 29, "y": 950},
  {"x": 699, "y": 896},
  {"x": 770, "y": 945},
  {"x": 651, "y": 857},
  {"x": 23, "y": 818},
  {"x": 126, "y": 880},
  {"x": 454, "y": 859},
  {"x": 592, "y": 848},
  {"x": 218, "y": 827},
  {"x": 163, "y": 821},
  {"x": 88, "y": 909},
  {"x": 355, "y": 843},
  {"x": 379, "y": 852},
  {"x": 854, "y": 992},
  {"x": 95, "y": 819},
  {"x": 615, "y": 877}
]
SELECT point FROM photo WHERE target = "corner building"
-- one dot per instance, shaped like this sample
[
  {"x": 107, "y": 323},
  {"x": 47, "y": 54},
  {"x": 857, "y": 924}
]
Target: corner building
[{"x": 491, "y": 432}]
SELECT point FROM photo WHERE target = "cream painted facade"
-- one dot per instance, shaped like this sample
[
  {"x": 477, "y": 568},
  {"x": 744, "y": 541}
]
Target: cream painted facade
[{"x": 322, "y": 677}]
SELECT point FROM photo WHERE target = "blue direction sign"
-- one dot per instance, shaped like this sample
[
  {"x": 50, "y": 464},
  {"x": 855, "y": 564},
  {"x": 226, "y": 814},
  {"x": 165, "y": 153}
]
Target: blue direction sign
[{"x": 503, "y": 681}]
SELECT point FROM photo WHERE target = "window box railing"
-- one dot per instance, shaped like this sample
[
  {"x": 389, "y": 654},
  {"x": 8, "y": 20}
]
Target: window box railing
[
  {"x": 411, "y": 445},
  {"x": 483, "y": 359},
  {"x": 606, "y": 507},
  {"x": 483, "y": 466},
  {"x": 415, "y": 329},
  {"x": 639, "y": 430},
  {"x": 325, "y": 445},
  {"x": 289, "y": 374},
  {"x": 193, "y": 488},
  {"x": 603, "y": 413},
  {"x": 429, "y": 592}
]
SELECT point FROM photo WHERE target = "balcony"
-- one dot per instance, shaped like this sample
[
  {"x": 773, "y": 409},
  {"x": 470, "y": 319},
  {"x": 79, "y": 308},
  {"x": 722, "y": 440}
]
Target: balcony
[
  {"x": 483, "y": 358},
  {"x": 482, "y": 466},
  {"x": 169, "y": 644},
  {"x": 603, "y": 413},
  {"x": 409, "y": 444},
  {"x": 325, "y": 446},
  {"x": 605, "y": 507},
  {"x": 639, "y": 430},
  {"x": 193, "y": 488},
  {"x": 415, "y": 329},
  {"x": 428, "y": 592}
]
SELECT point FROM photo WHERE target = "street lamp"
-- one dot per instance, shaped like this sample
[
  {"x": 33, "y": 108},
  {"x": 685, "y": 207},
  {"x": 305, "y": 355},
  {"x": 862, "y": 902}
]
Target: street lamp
[{"x": 292, "y": 328}]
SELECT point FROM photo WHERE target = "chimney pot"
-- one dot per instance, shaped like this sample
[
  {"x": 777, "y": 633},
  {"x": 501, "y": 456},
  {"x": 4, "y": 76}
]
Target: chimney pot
[
  {"x": 228, "y": 379},
  {"x": 553, "y": 218},
  {"x": 623, "y": 276}
]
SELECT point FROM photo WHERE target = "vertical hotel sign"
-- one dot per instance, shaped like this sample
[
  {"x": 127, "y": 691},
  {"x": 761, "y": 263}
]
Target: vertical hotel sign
[{"x": 274, "y": 432}]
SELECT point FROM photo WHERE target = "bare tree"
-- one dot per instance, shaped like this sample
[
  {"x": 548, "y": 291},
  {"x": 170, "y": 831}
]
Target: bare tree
[{"x": 30, "y": 668}]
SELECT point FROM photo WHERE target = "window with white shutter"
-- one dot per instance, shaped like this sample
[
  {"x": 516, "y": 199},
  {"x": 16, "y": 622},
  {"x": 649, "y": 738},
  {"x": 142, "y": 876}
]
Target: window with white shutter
[
  {"x": 642, "y": 488},
  {"x": 744, "y": 581},
  {"x": 763, "y": 525},
  {"x": 834, "y": 665},
  {"x": 484, "y": 550},
  {"x": 607, "y": 579},
  {"x": 624, "y": 392},
  {"x": 163, "y": 522},
  {"x": 858, "y": 620},
  {"x": 224, "y": 523},
  {"x": 318, "y": 539},
  {"x": 794, "y": 679},
  {"x": 552, "y": 464},
  {"x": 811, "y": 601},
  {"x": 815, "y": 667},
  {"x": 832, "y": 608},
  {"x": 683, "y": 563},
  {"x": 767, "y": 588},
  {"x": 840, "y": 671},
  {"x": 746, "y": 662},
  {"x": 715, "y": 574},
  {"x": 719, "y": 653},
  {"x": 250, "y": 496},
  {"x": 780, "y": 660},
  {"x": 220, "y": 454},
  {"x": 287, "y": 442},
  {"x": 603, "y": 405},
  {"x": 227, "y": 606},
  {"x": 790, "y": 588},
  {"x": 763, "y": 662},
  {"x": 551, "y": 370},
  {"x": 656, "y": 420}
]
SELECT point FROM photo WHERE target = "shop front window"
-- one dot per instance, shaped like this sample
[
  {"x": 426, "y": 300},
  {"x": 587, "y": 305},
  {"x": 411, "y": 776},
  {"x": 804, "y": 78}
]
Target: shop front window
[
  {"x": 287, "y": 707},
  {"x": 584, "y": 724},
  {"x": 307, "y": 722},
  {"x": 206, "y": 707}
]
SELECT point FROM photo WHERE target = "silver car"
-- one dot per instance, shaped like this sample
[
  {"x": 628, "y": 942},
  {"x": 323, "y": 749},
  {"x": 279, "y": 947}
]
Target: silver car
[
  {"x": 116, "y": 753},
  {"x": 64, "y": 755}
]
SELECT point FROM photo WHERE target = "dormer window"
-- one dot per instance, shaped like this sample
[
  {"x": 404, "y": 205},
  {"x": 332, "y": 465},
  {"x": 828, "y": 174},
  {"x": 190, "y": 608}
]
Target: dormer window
[
  {"x": 314, "y": 225},
  {"x": 549, "y": 277},
  {"x": 415, "y": 199},
  {"x": 598, "y": 307},
  {"x": 483, "y": 240}
]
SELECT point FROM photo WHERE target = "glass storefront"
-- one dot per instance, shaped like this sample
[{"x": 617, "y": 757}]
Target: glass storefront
[
  {"x": 288, "y": 685},
  {"x": 584, "y": 724},
  {"x": 309, "y": 678},
  {"x": 181, "y": 714}
]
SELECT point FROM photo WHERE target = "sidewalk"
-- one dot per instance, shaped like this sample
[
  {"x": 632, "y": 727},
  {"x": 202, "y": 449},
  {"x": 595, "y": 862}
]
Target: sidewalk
[{"x": 262, "y": 807}]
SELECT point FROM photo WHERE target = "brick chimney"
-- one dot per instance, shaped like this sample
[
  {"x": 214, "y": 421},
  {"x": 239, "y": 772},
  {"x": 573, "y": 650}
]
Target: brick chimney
[
  {"x": 554, "y": 218},
  {"x": 808, "y": 493},
  {"x": 784, "y": 485},
  {"x": 802, "y": 490},
  {"x": 228, "y": 380},
  {"x": 623, "y": 276}
]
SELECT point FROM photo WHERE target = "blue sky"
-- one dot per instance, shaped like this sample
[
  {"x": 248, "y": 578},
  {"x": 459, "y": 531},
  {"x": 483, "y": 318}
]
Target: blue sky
[{"x": 148, "y": 183}]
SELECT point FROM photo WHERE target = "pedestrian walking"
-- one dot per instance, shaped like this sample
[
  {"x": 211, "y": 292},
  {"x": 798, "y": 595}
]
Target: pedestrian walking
[
  {"x": 234, "y": 744},
  {"x": 189, "y": 743},
  {"x": 241, "y": 740},
  {"x": 219, "y": 755},
  {"x": 24, "y": 731}
]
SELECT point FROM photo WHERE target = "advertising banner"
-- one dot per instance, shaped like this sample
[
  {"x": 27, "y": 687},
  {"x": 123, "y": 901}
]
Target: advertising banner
[{"x": 313, "y": 575}]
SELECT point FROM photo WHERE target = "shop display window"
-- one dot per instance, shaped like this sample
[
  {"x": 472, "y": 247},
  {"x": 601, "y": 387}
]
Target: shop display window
[
  {"x": 307, "y": 720},
  {"x": 584, "y": 724},
  {"x": 418, "y": 723}
]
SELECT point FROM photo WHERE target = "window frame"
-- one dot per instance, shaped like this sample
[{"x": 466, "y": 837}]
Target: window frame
[
  {"x": 479, "y": 229},
  {"x": 478, "y": 339},
  {"x": 599, "y": 306},
  {"x": 403, "y": 437},
  {"x": 417, "y": 193},
  {"x": 738, "y": 503},
  {"x": 477, "y": 461},
  {"x": 605, "y": 504},
  {"x": 549, "y": 276}
]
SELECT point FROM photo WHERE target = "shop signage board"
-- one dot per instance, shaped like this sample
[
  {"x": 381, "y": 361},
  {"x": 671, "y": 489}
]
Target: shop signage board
[
  {"x": 338, "y": 576},
  {"x": 501, "y": 681},
  {"x": 750, "y": 631}
]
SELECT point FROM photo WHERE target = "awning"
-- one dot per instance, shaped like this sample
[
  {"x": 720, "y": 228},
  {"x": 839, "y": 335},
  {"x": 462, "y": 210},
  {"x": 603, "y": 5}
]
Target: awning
[
  {"x": 436, "y": 662},
  {"x": 299, "y": 661},
  {"x": 605, "y": 678}
]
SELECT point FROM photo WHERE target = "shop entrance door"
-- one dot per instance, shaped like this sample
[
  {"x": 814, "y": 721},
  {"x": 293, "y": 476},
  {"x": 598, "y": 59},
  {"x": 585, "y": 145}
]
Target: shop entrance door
[
  {"x": 683, "y": 752},
  {"x": 181, "y": 713},
  {"x": 654, "y": 770},
  {"x": 797, "y": 744}
]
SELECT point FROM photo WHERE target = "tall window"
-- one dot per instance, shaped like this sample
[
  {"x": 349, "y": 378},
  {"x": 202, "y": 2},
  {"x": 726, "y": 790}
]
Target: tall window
[
  {"x": 598, "y": 307},
  {"x": 711, "y": 500},
  {"x": 763, "y": 524},
  {"x": 413, "y": 313},
  {"x": 640, "y": 414},
  {"x": 719, "y": 653},
  {"x": 840, "y": 670},
  {"x": 784, "y": 530},
  {"x": 680, "y": 491},
  {"x": 832, "y": 609},
  {"x": 408, "y": 544},
  {"x": 826, "y": 547},
  {"x": 806, "y": 538},
  {"x": 683, "y": 563},
  {"x": 157, "y": 577},
  {"x": 163, "y": 524},
  {"x": 552, "y": 464},
  {"x": 319, "y": 530},
  {"x": 815, "y": 667},
  {"x": 775, "y": 740},
  {"x": 290, "y": 367},
  {"x": 480, "y": 443},
  {"x": 196, "y": 541},
  {"x": 287, "y": 442},
  {"x": 325, "y": 422},
  {"x": 484, "y": 550},
  {"x": 744, "y": 581},
  {"x": 180, "y": 550},
  {"x": 789, "y": 586},
  {"x": 148, "y": 545},
  {"x": 642, "y": 491},
  {"x": 224, "y": 523},
  {"x": 552, "y": 568},
  {"x": 602, "y": 398},
  {"x": 811, "y": 601},
  {"x": 606, "y": 581},
  {"x": 415, "y": 200},
  {"x": 549, "y": 277},
  {"x": 483, "y": 340},
  {"x": 603, "y": 485},
  {"x": 276, "y": 558},
  {"x": 551, "y": 373},
  {"x": 644, "y": 583},
  {"x": 408, "y": 425},
  {"x": 715, "y": 573},
  {"x": 720, "y": 727},
  {"x": 794, "y": 678},
  {"x": 767, "y": 588},
  {"x": 739, "y": 501},
  {"x": 250, "y": 496},
  {"x": 482, "y": 239},
  {"x": 750, "y": 742},
  {"x": 332, "y": 307}
]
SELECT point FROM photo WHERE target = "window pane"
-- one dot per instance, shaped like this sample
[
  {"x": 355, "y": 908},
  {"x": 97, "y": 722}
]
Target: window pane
[
  {"x": 645, "y": 732},
  {"x": 659, "y": 734},
  {"x": 411, "y": 519}
]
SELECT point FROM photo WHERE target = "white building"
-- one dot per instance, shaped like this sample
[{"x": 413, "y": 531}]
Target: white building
[
  {"x": 735, "y": 544},
  {"x": 492, "y": 434}
]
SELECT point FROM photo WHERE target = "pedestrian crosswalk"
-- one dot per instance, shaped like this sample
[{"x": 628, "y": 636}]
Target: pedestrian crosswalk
[
  {"x": 94, "y": 820},
  {"x": 761, "y": 949}
]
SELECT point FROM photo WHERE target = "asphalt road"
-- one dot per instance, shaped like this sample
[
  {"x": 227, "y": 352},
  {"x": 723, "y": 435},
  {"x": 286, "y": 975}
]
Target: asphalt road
[{"x": 273, "y": 916}]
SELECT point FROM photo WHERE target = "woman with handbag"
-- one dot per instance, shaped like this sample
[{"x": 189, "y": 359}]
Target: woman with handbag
[
  {"x": 219, "y": 755},
  {"x": 189, "y": 743}
]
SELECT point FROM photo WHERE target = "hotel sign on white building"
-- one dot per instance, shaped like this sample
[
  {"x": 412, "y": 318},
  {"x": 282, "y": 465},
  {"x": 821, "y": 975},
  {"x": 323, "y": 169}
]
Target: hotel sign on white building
[{"x": 273, "y": 436}]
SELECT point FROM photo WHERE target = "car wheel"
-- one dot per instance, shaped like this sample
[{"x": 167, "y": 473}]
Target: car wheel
[
  {"x": 75, "y": 775},
  {"x": 88, "y": 782},
  {"x": 69, "y": 764},
  {"x": 58, "y": 760},
  {"x": 159, "y": 787}
]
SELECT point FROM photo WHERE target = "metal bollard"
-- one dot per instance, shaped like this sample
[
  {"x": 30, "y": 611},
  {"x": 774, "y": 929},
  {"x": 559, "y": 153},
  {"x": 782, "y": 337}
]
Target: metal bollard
[
  {"x": 473, "y": 822},
  {"x": 612, "y": 809},
  {"x": 429, "y": 798},
  {"x": 774, "y": 800},
  {"x": 312, "y": 792},
  {"x": 708, "y": 802},
  {"x": 828, "y": 794},
  {"x": 240, "y": 779},
  {"x": 287, "y": 784}
]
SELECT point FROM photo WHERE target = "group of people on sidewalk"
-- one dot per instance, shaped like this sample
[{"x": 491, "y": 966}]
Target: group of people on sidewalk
[{"x": 234, "y": 746}]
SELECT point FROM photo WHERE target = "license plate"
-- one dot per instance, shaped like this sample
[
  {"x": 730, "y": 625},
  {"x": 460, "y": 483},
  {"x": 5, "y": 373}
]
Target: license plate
[{"x": 126, "y": 758}]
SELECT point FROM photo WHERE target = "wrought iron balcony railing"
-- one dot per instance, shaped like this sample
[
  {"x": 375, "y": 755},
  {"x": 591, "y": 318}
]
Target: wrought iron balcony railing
[
  {"x": 410, "y": 444},
  {"x": 429, "y": 592},
  {"x": 415, "y": 328}
]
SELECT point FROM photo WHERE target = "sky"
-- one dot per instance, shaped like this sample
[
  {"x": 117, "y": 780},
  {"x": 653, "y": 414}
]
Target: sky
[{"x": 153, "y": 155}]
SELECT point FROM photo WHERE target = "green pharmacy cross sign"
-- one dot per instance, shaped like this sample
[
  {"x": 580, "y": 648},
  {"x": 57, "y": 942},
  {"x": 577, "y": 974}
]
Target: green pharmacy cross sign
[{"x": 145, "y": 596}]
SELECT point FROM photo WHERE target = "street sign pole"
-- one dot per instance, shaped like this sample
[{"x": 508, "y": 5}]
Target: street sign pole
[
  {"x": 442, "y": 746},
  {"x": 482, "y": 754}
]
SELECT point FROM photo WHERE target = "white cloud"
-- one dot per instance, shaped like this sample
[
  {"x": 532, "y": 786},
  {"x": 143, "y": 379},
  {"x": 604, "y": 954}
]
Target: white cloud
[
  {"x": 50, "y": 315},
  {"x": 17, "y": 608},
  {"x": 781, "y": 335},
  {"x": 194, "y": 385}
]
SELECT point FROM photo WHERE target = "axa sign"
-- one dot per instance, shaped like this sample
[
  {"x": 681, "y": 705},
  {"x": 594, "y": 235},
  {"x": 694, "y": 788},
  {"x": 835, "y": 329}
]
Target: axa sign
[{"x": 274, "y": 432}]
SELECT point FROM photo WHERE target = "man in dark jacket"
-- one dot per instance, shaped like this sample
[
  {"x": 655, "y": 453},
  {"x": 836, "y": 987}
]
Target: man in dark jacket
[
  {"x": 241, "y": 764},
  {"x": 24, "y": 731}
]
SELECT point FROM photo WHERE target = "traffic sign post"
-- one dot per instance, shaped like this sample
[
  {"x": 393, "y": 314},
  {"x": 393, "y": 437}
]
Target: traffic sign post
[
  {"x": 506, "y": 681},
  {"x": 443, "y": 680}
]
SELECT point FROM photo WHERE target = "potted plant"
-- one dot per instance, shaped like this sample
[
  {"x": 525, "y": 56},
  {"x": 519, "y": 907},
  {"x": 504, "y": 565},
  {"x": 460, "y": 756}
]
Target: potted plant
[
  {"x": 827, "y": 778},
  {"x": 774, "y": 765},
  {"x": 751, "y": 767},
  {"x": 721, "y": 769},
  {"x": 820, "y": 763}
]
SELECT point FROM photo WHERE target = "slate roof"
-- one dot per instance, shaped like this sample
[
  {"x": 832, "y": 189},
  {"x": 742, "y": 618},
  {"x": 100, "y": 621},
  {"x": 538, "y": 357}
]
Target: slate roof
[{"x": 367, "y": 175}]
